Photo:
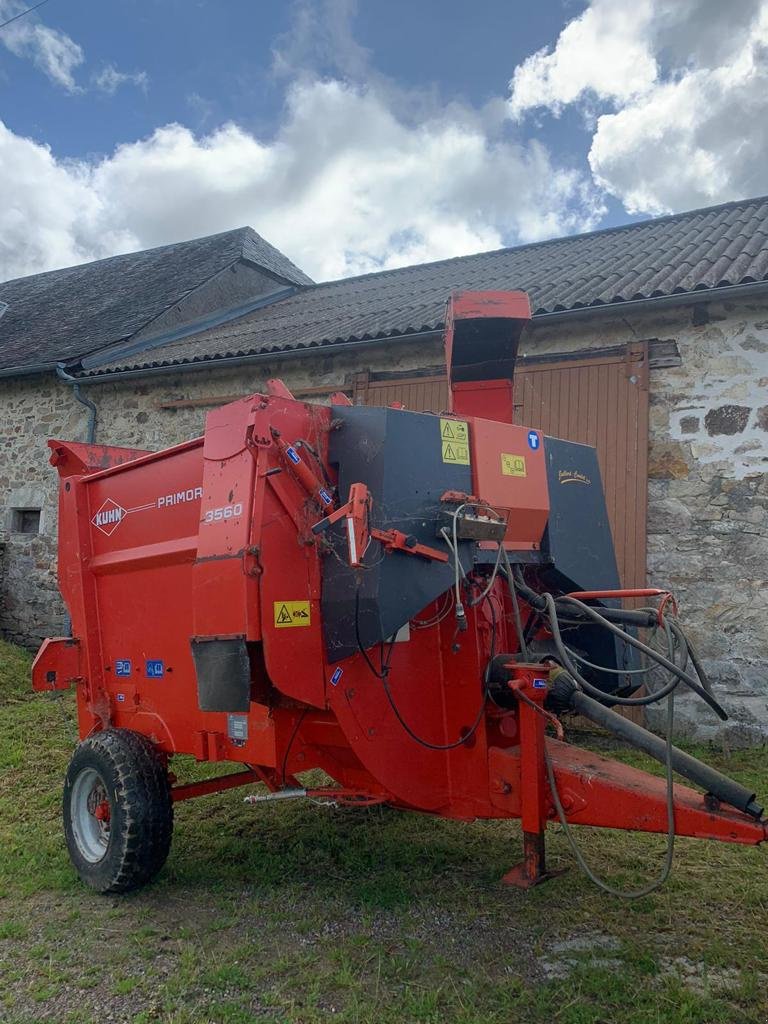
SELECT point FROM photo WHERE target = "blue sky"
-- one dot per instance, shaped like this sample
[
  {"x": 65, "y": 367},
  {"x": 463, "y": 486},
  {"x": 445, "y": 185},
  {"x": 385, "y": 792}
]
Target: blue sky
[
  {"x": 371, "y": 134},
  {"x": 213, "y": 60}
]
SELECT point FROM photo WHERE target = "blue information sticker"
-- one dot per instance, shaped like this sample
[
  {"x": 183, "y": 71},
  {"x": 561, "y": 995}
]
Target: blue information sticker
[
  {"x": 293, "y": 455},
  {"x": 123, "y": 667},
  {"x": 325, "y": 497},
  {"x": 540, "y": 684},
  {"x": 533, "y": 440},
  {"x": 155, "y": 669},
  {"x": 337, "y": 674},
  {"x": 121, "y": 697}
]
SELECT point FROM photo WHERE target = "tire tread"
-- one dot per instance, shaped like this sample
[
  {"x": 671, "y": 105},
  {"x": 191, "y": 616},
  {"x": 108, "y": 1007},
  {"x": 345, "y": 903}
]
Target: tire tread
[{"x": 142, "y": 787}]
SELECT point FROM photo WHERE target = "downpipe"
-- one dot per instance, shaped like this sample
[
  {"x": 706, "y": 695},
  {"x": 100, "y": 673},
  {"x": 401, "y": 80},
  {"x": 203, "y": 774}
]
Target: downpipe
[{"x": 62, "y": 374}]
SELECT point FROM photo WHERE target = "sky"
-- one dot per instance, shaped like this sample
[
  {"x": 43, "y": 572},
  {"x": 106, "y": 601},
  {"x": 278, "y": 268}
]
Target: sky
[{"x": 359, "y": 136}]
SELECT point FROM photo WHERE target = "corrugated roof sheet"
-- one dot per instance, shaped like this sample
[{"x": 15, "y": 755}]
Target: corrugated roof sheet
[
  {"x": 689, "y": 252},
  {"x": 63, "y": 314}
]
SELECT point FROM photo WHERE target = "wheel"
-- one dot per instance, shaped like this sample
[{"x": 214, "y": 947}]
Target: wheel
[{"x": 118, "y": 812}]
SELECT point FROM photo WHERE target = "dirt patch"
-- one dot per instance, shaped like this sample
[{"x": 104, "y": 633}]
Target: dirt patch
[{"x": 590, "y": 948}]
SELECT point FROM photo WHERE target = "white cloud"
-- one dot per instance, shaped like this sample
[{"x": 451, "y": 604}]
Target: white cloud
[
  {"x": 701, "y": 138},
  {"x": 50, "y": 215},
  {"x": 109, "y": 79},
  {"x": 681, "y": 90},
  {"x": 604, "y": 51},
  {"x": 52, "y": 51},
  {"x": 320, "y": 41},
  {"x": 345, "y": 187}
]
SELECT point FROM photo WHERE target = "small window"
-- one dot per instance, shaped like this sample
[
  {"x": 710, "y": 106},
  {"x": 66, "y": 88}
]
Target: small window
[{"x": 25, "y": 520}]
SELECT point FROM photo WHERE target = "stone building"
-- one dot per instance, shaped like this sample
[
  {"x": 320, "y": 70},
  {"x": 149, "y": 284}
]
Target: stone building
[{"x": 649, "y": 341}]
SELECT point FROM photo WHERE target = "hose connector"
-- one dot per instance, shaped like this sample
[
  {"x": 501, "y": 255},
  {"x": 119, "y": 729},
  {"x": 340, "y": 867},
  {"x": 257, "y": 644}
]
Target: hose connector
[
  {"x": 562, "y": 691},
  {"x": 461, "y": 617}
]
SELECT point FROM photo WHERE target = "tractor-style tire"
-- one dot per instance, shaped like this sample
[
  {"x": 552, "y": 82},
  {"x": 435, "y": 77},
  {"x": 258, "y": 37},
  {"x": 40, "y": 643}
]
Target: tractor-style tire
[{"x": 118, "y": 812}]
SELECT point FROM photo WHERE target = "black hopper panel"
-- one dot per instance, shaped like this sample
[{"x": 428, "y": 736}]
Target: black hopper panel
[
  {"x": 399, "y": 456},
  {"x": 578, "y": 536},
  {"x": 579, "y": 543}
]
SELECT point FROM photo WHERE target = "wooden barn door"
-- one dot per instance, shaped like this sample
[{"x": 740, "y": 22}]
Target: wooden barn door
[
  {"x": 420, "y": 394},
  {"x": 600, "y": 400}
]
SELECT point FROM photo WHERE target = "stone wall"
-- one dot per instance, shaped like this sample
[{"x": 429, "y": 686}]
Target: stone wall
[
  {"x": 708, "y": 489},
  {"x": 129, "y": 414},
  {"x": 707, "y": 492},
  {"x": 708, "y": 507},
  {"x": 31, "y": 411}
]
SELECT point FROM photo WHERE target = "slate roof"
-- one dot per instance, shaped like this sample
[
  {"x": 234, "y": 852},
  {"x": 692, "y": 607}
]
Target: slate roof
[
  {"x": 62, "y": 314},
  {"x": 694, "y": 252}
]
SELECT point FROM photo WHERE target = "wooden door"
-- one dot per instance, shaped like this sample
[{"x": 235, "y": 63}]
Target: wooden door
[
  {"x": 600, "y": 400},
  {"x": 420, "y": 394}
]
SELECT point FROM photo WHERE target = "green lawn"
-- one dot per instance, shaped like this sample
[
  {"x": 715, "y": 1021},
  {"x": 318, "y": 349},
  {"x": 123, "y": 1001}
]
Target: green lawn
[{"x": 297, "y": 913}]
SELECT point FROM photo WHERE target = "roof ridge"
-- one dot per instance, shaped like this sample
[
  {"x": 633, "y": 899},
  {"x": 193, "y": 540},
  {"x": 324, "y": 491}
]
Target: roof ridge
[
  {"x": 136, "y": 252},
  {"x": 527, "y": 246}
]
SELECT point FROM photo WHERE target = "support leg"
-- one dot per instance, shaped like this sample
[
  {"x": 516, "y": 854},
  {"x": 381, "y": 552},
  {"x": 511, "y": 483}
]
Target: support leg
[{"x": 532, "y": 869}]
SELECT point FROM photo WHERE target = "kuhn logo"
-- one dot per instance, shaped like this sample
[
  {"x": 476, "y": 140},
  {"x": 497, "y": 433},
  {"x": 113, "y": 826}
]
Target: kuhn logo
[{"x": 109, "y": 517}]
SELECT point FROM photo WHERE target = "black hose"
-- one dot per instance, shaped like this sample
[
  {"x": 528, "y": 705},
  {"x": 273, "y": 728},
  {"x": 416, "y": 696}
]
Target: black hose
[
  {"x": 689, "y": 767},
  {"x": 515, "y": 605},
  {"x": 384, "y": 674},
  {"x": 646, "y": 890},
  {"x": 628, "y": 702},
  {"x": 641, "y": 617},
  {"x": 670, "y": 666},
  {"x": 692, "y": 653}
]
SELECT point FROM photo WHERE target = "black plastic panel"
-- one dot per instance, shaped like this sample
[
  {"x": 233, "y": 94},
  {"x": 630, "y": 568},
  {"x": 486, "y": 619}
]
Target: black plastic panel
[
  {"x": 223, "y": 674},
  {"x": 578, "y": 537},
  {"x": 399, "y": 456},
  {"x": 579, "y": 542}
]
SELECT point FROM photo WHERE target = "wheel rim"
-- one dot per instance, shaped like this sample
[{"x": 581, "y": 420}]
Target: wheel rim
[{"x": 90, "y": 815}]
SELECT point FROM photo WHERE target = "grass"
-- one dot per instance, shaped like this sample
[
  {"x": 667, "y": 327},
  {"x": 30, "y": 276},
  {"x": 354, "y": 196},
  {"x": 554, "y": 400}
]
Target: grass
[{"x": 295, "y": 913}]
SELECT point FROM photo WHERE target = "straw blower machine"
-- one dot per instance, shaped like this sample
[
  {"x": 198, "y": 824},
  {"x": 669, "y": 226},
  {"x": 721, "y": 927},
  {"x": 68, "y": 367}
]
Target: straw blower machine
[{"x": 410, "y": 602}]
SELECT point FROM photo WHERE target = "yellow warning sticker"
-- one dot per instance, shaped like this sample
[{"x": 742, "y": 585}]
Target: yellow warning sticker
[
  {"x": 513, "y": 465},
  {"x": 291, "y": 613},
  {"x": 454, "y": 435}
]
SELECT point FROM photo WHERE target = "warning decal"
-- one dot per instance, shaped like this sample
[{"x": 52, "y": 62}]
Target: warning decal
[
  {"x": 291, "y": 613},
  {"x": 454, "y": 436},
  {"x": 513, "y": 465}
]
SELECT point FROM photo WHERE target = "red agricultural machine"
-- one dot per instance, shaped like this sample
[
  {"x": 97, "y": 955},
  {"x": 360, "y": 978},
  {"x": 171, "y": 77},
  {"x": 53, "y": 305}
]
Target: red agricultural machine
[{"x": 406, "y": 601}]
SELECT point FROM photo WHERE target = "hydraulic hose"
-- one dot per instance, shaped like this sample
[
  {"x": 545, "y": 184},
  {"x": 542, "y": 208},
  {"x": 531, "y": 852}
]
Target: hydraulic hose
[
  {"x": 641, "y": 617},
  {"x": 670, "y": 666},
  {"x": 689, "y": 767},
  {"x": 692, "y": 653},
  {"x": 678, "y": 673},
  {"x": 631, "y": 702},
  {"x": 666, "y": 869}
]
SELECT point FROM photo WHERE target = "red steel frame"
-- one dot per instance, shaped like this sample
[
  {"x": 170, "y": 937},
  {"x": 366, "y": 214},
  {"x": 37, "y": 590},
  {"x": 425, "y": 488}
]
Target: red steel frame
[{"x": 214, "y": 538}]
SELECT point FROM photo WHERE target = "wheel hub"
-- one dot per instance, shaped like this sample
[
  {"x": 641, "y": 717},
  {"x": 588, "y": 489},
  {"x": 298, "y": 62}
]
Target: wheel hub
[{"x": 91, "y": 815}]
